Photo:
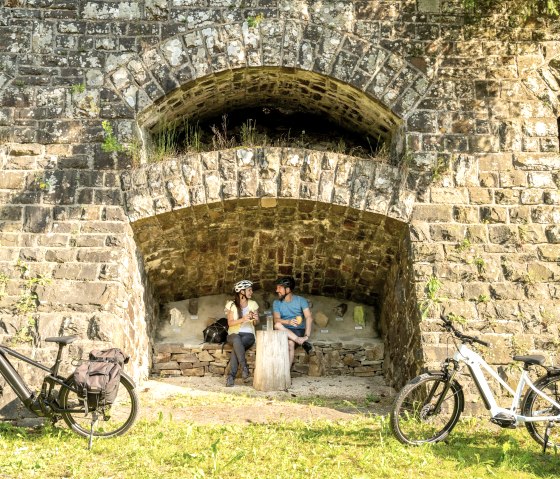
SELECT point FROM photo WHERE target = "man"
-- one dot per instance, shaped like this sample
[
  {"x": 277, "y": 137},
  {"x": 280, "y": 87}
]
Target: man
[{"x": 291, "y": 313}]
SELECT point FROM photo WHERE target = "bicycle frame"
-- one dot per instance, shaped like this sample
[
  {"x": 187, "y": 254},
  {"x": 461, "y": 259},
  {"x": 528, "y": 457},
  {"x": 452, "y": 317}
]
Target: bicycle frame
[
  {"x": 476, "y": 363},
  {"x": 40, "y": 406}
]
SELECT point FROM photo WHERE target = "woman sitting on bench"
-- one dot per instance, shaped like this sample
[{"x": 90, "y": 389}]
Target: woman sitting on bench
[{"x": 242, "y": 315}]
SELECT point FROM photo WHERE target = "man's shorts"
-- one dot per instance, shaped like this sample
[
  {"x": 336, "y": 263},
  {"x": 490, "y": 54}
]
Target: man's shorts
[{"x": 298, "y": 332}]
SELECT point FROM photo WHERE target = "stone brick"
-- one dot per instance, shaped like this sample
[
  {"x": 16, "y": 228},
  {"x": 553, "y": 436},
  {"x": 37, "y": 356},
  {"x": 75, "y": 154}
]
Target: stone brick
[
  {"x": 168, "y": 365},
  {"x": 537, "y": 161},
  {"x": 453, "y": 196},
  {"x": 431, "y": 213},
  {"x": 200, "y": 372},
  {"x": 481, "y": 196}
]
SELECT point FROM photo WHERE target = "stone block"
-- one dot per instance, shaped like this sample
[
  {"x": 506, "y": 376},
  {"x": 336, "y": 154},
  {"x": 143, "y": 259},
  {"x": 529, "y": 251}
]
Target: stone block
[
  {"x": 205, "y": 356},
  {"x": 168, "y": 365},
  {"x": 213, "y": 369},
  {"x": 537, "y": 161},
  {"x": 162, "y": 357},
  {"x": 449, "y": 196},
  {"x": 185, "y": 357},
  {"x": 169, "y": 372},
  {"x": 433, "y": 213},
  {"x": 198, "y": 372}
]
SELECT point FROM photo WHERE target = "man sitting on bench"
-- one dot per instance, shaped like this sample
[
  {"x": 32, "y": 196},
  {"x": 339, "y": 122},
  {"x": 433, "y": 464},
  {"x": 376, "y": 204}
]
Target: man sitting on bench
[{"x": 292, "y": 314}]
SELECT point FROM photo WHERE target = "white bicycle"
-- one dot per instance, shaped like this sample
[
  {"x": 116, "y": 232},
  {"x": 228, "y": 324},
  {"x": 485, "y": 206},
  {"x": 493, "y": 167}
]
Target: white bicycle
[{"x": 428, "y": 407}]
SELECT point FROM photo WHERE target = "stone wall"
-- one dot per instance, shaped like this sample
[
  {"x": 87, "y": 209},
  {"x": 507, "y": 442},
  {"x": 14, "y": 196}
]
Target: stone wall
[
  {"x": 327, "y": 359},
  {"x": 469, "y": 109}
]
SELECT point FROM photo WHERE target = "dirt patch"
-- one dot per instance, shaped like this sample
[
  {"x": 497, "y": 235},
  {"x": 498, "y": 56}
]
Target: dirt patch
[{"x": 207, "y": 400}]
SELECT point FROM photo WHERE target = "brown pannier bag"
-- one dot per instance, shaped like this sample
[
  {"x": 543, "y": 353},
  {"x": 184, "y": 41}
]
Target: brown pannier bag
[{"x": 97, "y": 380}]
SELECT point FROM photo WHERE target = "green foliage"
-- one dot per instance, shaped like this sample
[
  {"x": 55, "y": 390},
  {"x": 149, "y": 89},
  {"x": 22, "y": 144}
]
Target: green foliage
[
  {"x": 482, "y": 298},
  {"x": 249, "y": 133},
  {"x": 480, "y": 264},
  {"x": 44, "y": 184},
  {"x": 433, "y": 285},
  {"x": 464, "y": 245},
  {"x": 110, "y": 142},
  {"x": 254, "y": 21},
  {"x": 78, "y": 88},
  {"x": 27, "y": 302},
  {"x": 457, "y": 319},
  {"x": 440, "y": 168}
]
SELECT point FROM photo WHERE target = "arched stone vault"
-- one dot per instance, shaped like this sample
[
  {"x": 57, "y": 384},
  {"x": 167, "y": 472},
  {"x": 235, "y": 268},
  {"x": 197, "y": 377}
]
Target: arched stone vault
[
  {"x": 332, "y": 250},
  {"x": 287, "y": 88}
]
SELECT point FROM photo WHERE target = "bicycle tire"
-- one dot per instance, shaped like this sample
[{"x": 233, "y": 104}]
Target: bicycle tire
[
  {"x": 533, "y": 405},
  {"x": 113, "y": 421},
  {"x": 412, "y": 419}
]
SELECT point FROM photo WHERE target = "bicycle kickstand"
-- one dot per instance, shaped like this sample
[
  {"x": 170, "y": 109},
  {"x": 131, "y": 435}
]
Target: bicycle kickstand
[
  {"x": 94, "y": 417},
  {"x": 546, "y": 436}
]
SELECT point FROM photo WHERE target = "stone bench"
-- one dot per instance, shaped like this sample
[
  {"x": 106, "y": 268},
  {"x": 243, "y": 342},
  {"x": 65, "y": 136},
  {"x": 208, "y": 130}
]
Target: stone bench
[{"x": 327, "y": 359}]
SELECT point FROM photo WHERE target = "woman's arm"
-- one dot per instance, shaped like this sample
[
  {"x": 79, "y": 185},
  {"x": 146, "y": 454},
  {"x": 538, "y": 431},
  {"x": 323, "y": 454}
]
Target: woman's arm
[{"x": 233, "y": 322}]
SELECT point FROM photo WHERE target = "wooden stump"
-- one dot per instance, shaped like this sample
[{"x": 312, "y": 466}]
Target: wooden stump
[{"x": 272, "y": 363}]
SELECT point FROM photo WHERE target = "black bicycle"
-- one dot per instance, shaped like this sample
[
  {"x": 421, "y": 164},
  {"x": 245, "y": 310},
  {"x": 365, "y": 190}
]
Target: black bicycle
[{"x": 59, "y": 398}]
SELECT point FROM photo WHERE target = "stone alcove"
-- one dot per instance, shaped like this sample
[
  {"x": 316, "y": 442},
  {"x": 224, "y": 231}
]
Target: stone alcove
[{"x": 336, "y": 222}]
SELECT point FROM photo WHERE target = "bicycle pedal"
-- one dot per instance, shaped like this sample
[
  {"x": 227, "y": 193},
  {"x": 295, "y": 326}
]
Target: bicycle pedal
[{"x": 504, "y": 420}]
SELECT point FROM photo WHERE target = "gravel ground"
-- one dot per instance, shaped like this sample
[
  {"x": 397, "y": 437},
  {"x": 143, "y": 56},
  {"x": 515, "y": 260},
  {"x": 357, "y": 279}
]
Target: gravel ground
[{"x": 308, "y": 399}]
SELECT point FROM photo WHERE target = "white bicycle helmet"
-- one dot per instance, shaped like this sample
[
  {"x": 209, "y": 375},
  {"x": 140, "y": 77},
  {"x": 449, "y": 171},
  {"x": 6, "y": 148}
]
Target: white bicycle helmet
[{"x": 241, "y": 285}]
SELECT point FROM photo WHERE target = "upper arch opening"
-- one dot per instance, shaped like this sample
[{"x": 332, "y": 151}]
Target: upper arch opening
[{"x": 269, "y": 105}]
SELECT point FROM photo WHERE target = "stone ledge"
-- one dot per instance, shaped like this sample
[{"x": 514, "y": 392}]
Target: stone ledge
[{"x": 327, "y": 359}]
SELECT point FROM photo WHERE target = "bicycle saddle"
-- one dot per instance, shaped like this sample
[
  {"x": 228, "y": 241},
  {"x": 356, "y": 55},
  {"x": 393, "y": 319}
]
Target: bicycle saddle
[
  {"x": 532, "y": 359},
  {"x": 62, "y": 339}
]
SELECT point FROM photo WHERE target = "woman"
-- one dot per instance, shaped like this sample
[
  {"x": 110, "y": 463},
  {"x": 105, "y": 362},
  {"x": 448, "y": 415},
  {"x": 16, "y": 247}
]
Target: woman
[{"x": 242, "y": 315}]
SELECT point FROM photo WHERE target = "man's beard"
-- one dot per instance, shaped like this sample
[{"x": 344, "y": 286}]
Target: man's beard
[{"x": 281, "y": 297}]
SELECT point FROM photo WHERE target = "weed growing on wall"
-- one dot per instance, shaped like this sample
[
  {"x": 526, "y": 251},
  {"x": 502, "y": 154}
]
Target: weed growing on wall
[
  {"x": 254, "y": 21},
  {"x": 24, "y": 305},
  {"x": 110, "y": 142},
  {"x": 433, "y": 298},
  {"x": 188, "y": 136},
  {"x": 78, "y": 88}
]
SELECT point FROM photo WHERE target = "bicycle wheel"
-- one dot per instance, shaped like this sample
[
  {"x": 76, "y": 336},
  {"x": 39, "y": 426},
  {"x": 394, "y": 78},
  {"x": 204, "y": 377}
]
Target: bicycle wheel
[
  {"x": 414, "y": 419},
  {"x": 113, "y": 420},
  {"x": 534, "y": 406}
]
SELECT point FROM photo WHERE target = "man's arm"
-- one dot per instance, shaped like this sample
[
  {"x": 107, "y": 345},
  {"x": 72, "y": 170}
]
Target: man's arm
[{"x": 308, "y": 321}]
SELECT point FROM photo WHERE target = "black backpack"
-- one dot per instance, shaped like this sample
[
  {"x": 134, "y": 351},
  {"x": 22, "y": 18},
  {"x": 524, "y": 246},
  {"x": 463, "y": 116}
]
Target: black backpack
[
  {"x": 97, "y": 380},
  {"x": 216, "y": 332}
]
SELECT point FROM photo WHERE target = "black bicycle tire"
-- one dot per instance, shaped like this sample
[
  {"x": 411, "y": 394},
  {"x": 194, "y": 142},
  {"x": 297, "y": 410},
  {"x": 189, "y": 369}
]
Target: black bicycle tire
[
  {"x": 527, "y": 409},
  {"x": 68, "y": 417},
  {"x": 458, "y": 404}
]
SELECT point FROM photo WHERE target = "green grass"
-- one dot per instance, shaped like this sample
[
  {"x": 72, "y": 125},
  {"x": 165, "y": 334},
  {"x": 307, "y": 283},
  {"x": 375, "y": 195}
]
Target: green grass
[{"x": 361, "y": 448}]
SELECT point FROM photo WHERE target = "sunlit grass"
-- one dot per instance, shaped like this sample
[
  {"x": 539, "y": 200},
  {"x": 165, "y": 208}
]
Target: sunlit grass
[{"x": 360, "y": 448}]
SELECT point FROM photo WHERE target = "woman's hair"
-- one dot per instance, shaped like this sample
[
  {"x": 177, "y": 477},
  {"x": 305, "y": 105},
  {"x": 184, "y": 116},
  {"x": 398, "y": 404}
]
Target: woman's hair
[{"x": 237, "y": 302}]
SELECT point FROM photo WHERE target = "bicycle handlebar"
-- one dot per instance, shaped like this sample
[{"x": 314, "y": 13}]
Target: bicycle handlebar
[{"x": 447, "y": 324}]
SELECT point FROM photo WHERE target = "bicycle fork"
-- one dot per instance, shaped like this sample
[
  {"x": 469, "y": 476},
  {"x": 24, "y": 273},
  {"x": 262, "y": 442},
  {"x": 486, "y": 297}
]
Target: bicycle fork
[{"x": 443, "y": 394}]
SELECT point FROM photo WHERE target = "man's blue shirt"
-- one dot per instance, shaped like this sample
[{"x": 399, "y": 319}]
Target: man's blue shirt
[{"x": 289, "y": 310}]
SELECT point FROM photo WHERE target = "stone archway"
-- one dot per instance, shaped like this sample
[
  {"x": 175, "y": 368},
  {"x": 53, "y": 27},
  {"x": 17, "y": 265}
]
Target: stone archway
[
  {"x": 349, "y": 214},
  {"x": 387, "y": 78}
]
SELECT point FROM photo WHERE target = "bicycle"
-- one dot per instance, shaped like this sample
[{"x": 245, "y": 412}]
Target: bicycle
[
  {"x": 59, "y": 398},
  {"x": 428, "y": 407}
]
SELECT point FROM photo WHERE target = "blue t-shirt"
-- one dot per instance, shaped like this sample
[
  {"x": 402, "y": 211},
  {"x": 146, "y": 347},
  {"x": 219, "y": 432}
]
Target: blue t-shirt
[{"x": 289, "y": 310}]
